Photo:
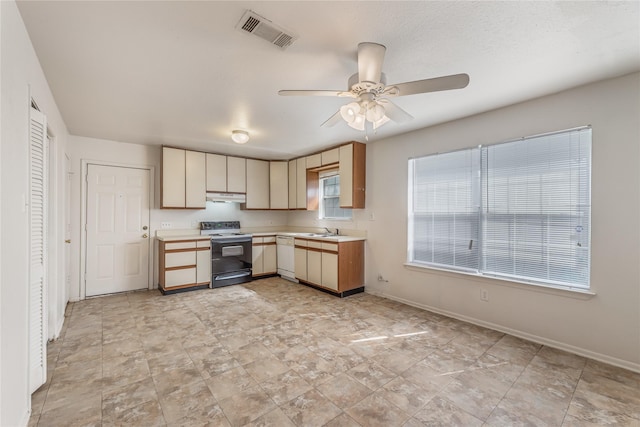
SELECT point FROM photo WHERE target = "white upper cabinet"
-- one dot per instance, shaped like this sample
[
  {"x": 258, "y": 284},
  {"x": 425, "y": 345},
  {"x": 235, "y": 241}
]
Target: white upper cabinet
[
  {"x": 301, "y": 183},
  {"x": 196, "y": 180},
  {"x": 173, "y": 178},
  {"x": 216, "y": 173},
  {"x": 236, "y": 175},
  {"x": 314, "y": 161},
  {"x": 279, "y": 185},
  {"x": 330, "y": 156},
  {"x": 292, "y": 183},
  {"x": 257, "y": 184}
]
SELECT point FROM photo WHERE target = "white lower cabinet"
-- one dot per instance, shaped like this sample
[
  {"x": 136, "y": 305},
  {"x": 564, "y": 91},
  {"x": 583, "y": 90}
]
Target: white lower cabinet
[
  {"x": 264, "y": 256},
  {"x": 330, "y": 270},
  {"x": 300, "y": 261},
  {"x": 314, "y": 266},
  {"x": 184, "y": 264},
  {"x": 338, "y": 267}
]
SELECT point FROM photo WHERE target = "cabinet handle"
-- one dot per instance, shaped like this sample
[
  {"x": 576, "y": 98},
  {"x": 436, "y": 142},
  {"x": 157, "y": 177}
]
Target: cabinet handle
[
  {"x": 68, "y": 241},
  {"x": 145, "y": 235}
]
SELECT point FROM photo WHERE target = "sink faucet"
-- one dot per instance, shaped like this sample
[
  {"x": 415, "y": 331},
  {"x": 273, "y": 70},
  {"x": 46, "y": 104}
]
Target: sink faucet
[{"x": 331, "y": 232}]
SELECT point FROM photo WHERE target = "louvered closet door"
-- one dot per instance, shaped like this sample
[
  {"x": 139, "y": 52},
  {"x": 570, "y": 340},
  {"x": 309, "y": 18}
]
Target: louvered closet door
[{"x": 37, "y": 259}]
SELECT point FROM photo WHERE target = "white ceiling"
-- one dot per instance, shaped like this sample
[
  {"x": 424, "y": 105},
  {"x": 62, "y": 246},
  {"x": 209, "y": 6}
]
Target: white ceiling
[{"x": 179, "y": 73}]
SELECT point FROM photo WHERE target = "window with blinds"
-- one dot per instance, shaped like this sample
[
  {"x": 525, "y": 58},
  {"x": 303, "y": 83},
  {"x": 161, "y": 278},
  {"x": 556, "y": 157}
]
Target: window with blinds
[{"x": 518, "y": 210}]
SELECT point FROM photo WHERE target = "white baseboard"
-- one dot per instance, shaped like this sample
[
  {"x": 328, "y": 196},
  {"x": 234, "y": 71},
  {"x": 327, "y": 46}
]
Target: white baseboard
[
  {"x": 635, "y": 367},
  {"x": 25, "y": 419}
]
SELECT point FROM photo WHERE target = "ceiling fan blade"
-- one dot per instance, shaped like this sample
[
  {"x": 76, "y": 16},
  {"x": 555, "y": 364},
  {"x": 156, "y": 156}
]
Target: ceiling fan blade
[
  {"x": 332, "y": 121},
  {"x": 370, "y": 59},
  {"x": 454, "y": 81},
  {"x": 340, "y": 93},
  {"x": 394, "y": 112}
]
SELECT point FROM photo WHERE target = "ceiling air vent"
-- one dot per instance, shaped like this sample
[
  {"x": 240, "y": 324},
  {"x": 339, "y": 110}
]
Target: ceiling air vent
[{"x": 261, "y": 27}]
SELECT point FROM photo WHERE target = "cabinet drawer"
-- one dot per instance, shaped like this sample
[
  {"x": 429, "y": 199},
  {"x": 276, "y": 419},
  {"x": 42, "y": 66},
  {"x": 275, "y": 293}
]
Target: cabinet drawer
[
  {"x": 204, "y": 243},
  {"x": 179, "y": 259},
  {"x": 184, "y": 276},
  {"x": 300, "y": 242},
  {"x": 169, "y": 246},
  {"x": 330, "y": 247},
  {"x": 256, "y": 240},
  {"x": 314, "y": 244},
  {"x": 269, "y": 239}
]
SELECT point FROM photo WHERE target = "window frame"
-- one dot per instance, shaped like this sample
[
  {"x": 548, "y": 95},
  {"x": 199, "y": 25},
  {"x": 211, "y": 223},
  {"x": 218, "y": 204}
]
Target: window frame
[
  {"x": 321, "y": 198},
  {"x": 579, "y": 283}
]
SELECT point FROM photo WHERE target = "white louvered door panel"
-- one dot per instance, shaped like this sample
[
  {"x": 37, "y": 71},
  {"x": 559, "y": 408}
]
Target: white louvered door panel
[{"x": 37, "y": 249}]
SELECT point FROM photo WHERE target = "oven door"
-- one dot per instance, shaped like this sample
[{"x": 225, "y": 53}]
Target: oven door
[{"x": 230, "y": 261}]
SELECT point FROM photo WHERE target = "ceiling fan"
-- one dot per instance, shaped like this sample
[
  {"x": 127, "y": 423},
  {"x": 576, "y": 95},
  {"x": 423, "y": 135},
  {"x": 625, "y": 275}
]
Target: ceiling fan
[{"x": 370, "y": 91}]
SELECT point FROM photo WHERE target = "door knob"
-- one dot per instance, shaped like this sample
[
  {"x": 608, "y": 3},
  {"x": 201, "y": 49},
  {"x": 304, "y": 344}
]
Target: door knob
[
  {"x": 145, "y": 227},
  {"x": 145, "y": 235},
  {"x": 68, "y": 241}
]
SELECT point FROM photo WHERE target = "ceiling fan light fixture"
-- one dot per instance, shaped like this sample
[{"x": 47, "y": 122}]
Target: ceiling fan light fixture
[
  {"x": 350, "y": 112},
  {"x": 358, "y": 122},
  {"x": 375, "y": 112},
  {"x": 380, "y": 122},
  {"x": 240, "y": 136}
]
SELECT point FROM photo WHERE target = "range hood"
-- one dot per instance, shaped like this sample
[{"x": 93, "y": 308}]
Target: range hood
[{"x": 227, "y": 197}]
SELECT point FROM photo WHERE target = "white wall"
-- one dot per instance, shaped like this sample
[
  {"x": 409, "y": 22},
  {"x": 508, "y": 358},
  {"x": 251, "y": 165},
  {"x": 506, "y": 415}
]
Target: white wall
[
  {"x": 119, "y": 153},
  {"x": 21, "y": 77},
  {"x": 606, "y": 326}
]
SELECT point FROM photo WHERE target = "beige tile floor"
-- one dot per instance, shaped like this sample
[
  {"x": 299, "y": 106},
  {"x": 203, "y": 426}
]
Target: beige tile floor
[{"x": 280, "y": 354}]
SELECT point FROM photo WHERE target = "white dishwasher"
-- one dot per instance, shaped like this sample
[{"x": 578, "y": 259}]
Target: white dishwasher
[{"x": 286, "y": 267}]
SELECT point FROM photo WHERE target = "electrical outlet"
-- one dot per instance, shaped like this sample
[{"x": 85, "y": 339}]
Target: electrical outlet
[
  {"x": 194, "y": 224},
  {"x": 484, "y": 295},
  {"x": 165, "y": 225},
  {"x": 372, "y": 216}
]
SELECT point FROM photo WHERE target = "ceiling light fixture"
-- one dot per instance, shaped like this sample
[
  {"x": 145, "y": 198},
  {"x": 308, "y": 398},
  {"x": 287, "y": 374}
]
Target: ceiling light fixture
[
  {"x": 240, "y": 136},
  {"x": 366, "y": 109}
]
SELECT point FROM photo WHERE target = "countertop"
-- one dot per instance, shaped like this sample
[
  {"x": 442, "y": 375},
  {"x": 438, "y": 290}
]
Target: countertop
[
  {"x": 312, "y": 236},
  {"x": 176, "y": 235}
]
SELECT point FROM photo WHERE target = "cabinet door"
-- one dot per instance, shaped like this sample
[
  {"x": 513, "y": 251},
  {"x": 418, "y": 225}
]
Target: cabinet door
[
  {"x": 314, "y": 161},
  {"x": 196, "y": 180},
  {"x": 270, "y": 264},
  {"x": 292, "y": 184},
  {"x": 300, "y": 263},
  {"x": 216, "y": 173},
  {"x": 257, "y": 184},
  {"x": 278, "y": 185},
  {"x": 236, "y": 175},
  {"x": 257, "y": 257},
  {"x": 330, "y": 156},
  {"x": 203, "y": 266},
  {"x": 183, "y": 276},
  {"x": 173, "y": 178},
  {"x": 301, "y": 183},
  {"x": 330, "y": 270},
  {"x": 346, "y": 176},
  {"x": 314, "y": 267}
]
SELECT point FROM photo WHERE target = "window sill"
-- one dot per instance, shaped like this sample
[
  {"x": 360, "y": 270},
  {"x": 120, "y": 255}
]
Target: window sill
[{"x": 533, "y": 287}]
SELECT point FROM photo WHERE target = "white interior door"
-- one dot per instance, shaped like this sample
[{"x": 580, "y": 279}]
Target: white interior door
[
  {"x": 67, "y": 227},
  {"x": 37, "y": 249},
  {"x": 117, "y": 229}
]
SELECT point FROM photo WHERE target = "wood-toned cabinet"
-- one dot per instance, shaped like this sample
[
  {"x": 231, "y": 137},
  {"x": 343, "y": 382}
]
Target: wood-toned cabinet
[
  {"x": 257, "y": 184},
  {"x": 183, "y": 179},
  {"x": 184, "y": 264},
  {"x": 279, "y": 185},
  {"x": 335, "y": 266},
  {"x": 352, "y": 175},
  {"x": 264, "y": 256}
]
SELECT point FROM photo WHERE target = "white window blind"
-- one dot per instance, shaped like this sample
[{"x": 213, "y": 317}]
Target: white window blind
[
  {"x": 445, "y": 209},
  {"x": 518, "y": 210}
]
